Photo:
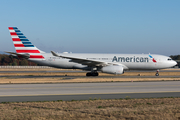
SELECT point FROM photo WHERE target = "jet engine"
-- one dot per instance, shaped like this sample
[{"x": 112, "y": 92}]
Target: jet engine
[{"x": 113, "y": 69}]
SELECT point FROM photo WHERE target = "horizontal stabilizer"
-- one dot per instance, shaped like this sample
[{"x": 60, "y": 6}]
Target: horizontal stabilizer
[{"x": 20, "y": 55}]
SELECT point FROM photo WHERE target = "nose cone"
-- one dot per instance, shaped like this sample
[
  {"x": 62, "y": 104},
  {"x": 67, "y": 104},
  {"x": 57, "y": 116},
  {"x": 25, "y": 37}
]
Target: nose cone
[
  {"x": 170, "y": 64},
  {"x": 174, "y": 63}
]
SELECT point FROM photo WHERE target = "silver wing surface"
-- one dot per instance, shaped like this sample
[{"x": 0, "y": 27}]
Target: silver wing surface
[{"x": 83, "y": 61}]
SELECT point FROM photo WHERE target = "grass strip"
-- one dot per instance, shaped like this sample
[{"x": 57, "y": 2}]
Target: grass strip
[{"x": 127, "y": 108}]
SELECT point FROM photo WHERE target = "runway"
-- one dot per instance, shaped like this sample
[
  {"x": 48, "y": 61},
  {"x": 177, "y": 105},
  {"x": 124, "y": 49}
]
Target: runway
[
  {"x": 73, "y": 77},
  {"x": 85, "y": 91}
]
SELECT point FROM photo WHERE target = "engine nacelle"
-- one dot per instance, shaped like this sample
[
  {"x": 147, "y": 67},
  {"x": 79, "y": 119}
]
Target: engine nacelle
[{"x": 113, "y": 69}]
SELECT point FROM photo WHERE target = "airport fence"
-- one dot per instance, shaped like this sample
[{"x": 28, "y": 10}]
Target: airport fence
[{"x": 15, "y": 67}]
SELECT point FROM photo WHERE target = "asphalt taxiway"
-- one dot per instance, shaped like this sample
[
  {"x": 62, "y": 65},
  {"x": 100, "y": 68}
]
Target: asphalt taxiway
[{"x": 85, "y": 91}]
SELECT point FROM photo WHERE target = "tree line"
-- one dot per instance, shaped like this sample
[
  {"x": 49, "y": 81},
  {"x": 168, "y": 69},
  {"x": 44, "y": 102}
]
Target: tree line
[
  {"x": 9, "y": 60},
  {"x": 175, "y": 57}
]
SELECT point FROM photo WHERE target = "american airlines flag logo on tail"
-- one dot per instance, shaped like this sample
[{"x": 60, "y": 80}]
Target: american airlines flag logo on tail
[{"x": 23, "y": 45}]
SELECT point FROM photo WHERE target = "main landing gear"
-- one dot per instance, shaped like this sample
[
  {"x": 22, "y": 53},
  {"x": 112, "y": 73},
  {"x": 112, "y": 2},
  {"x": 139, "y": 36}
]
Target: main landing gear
[
  {"x": 92, "y": 74},
  {"x": 157, "y": 73}
]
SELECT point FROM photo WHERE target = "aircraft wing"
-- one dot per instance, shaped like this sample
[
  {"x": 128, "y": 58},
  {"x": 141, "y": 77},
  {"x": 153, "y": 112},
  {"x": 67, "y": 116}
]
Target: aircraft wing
[
  {"x": 83, "y": 61},
  {"x": 20, "y": 55}
]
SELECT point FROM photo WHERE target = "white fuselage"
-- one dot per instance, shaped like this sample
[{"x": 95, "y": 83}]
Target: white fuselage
[{"x": 128, "y": 61}]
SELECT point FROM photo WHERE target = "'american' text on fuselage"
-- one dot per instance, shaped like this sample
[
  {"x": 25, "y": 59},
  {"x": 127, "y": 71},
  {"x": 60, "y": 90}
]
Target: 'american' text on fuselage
[{"x": 130, "y": 59}]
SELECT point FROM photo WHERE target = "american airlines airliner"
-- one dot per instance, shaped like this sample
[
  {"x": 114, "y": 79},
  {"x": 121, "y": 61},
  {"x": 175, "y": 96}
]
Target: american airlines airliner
[{"x": 106, "y": 63}]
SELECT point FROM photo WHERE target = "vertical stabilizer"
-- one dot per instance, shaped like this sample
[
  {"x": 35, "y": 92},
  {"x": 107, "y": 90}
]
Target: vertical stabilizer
[{"x": 23, "y": 45}]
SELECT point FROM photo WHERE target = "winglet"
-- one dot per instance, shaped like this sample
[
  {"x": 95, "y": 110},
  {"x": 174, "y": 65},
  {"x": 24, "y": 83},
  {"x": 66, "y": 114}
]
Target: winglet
[{"x": 54, "y": 54}]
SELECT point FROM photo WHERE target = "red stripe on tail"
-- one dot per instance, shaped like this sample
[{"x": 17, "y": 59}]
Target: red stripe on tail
[
  {"x": 27, "y": 51},
  {"x": 13, "y": 33},
  {"x": 16, "y": 39},
  {"x": 11, "y": 28},
  {"x": 18, "y": 45}
]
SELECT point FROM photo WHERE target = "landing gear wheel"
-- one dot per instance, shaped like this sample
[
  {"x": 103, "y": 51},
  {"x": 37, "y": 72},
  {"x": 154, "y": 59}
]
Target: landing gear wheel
[
  {"x": 92, "y": 74},
  {"x": 95, "y": 74},
  {"x": 88, "y": 74},
  {"x": 157, "y": 74}
]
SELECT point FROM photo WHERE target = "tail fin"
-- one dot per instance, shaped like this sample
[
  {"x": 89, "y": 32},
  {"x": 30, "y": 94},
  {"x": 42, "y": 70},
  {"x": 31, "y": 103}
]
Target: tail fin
[{"x": 23, "y": 45}]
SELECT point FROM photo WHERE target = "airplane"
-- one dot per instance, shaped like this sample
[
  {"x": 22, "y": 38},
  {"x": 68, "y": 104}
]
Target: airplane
[{"x": 106, "y": 63}]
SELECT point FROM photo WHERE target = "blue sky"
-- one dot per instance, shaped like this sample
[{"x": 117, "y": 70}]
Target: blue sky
[{"x": 94, "y": 26}]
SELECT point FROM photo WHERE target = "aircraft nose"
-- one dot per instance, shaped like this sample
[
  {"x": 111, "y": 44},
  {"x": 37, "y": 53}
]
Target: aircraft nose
[{"x": 174, "y": 63}]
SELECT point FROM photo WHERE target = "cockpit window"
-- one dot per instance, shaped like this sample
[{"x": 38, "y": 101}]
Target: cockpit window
[{"x": 169, "y": 59}]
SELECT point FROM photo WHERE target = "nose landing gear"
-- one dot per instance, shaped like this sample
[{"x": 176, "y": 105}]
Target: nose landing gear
[{"x": 157, "y": 73}]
